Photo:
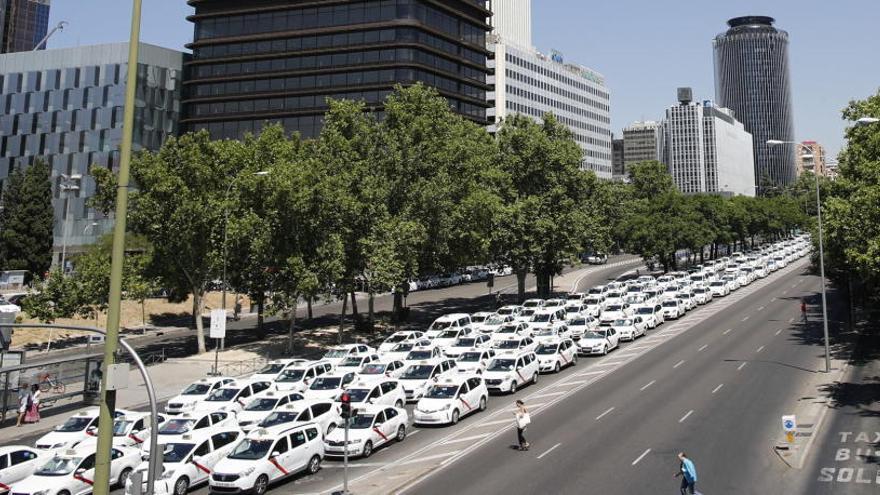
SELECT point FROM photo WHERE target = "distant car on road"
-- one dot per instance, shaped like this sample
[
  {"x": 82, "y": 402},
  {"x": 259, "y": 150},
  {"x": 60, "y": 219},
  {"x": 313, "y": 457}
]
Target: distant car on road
[{"x": 597, "y": 259}]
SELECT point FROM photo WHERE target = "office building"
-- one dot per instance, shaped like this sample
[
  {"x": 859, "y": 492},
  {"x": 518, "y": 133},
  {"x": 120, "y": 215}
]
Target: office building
[
  {"x": 752, "y": 79},
  {"x": 512, "y": 21},
  {"x": 641, "y": 142},
  {"x": 816, "y": 158},
  {"x": 618, "y": 172},
  {"x": 707, "y": 150},
  {"x": 65, "y": 107},
  {"x": 23, "y": 24},
  {"x": 279, "y": 61}
]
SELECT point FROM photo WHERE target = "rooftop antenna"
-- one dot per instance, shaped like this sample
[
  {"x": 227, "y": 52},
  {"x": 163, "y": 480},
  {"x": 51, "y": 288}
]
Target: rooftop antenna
[{"x": 59, "y": 27}]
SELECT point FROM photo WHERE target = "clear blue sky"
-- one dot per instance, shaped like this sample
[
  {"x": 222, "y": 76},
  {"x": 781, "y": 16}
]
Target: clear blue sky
[{"x": 644, "y": 48}]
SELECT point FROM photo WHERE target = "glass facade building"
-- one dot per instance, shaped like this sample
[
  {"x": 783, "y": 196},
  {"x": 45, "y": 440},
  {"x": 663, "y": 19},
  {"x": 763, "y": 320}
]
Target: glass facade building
[
  {"x": 279, "y": 60},
  {"x": 65, "y": 107},
  {"x": 752, "y": 79},
  {"x": 23, "y": 24}
]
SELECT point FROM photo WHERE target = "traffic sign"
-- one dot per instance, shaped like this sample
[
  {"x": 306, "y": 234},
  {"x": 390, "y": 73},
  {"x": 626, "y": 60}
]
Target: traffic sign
[
  {"x": 218, "y": 324},
  {"x": 789, "y": 423}
]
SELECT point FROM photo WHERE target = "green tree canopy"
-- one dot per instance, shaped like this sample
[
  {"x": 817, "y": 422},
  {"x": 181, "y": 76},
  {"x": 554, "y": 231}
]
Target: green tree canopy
[{"x": 26, "y": 221}]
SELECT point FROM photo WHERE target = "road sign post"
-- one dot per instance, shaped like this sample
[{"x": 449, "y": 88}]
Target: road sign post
[
  {"x": 218, "y": 332},
  {"x": 789, "y": 426}
]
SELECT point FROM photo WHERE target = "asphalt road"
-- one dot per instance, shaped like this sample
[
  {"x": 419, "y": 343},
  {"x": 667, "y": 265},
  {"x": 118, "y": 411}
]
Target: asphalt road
[{"x": 715, "y": 390}]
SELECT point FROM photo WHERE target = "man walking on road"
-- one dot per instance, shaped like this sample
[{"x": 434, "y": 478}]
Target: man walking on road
[
  {"x": 804, "y": 308},
  {"x": 522, "y": 421},
  {"x": 688, "y": 473}
]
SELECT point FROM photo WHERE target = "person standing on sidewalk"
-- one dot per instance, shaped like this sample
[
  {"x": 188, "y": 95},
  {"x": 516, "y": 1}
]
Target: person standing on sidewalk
[
  {"x": 688, "y": 473},
  {"x": 33, "y": 412},
  {"x": 522, "y": 422},
  {"x": 25, "y": 399}
]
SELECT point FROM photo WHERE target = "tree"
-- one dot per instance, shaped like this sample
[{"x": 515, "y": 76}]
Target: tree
[
  {"x": 54, "y": 297},
  {"x": 26, "y": 221}
]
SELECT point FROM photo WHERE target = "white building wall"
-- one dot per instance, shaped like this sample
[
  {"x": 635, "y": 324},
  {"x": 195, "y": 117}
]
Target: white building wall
[
  {"x": 685, "y": 147},
  {"x": 512, "y": 21},
  {"x": 735, "y": 158}
]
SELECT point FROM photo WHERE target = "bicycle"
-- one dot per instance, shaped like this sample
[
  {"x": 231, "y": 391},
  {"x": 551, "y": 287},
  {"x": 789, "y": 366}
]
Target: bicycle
[{"x": 49, "y": 381}]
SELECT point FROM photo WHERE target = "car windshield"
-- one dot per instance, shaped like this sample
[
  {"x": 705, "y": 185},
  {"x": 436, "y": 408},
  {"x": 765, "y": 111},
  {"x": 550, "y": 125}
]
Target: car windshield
[
  {"x": 358, "y": 394},
  {"x": 573, "y": 297},
  {"x": 336, "y": 353},
  {"x": 592, "y": 301},
  {"x": 505, "y": 311},
  {"x": 543, "y": 317},
  {"x": 325, "y": 383},
  {"x": 271, "y": 369},
  {"x": 495, "y": 320},
  {"x": 361, "y": 421},
  {"x": 196, "y": 389},
  {"x": 59, "y": 466},
  {"x": 448, "y": 334},
  {"x": 670, "y": 304},
  {"x": 176, "y": 452},
  {"x": 577, "y": 322},
  {"x": 573, "y": 309},
  {"x": 594, "y": 335},
  {"x": 395, "y": 339},
  {"x": 527, "y": 312},
  {"x": 440, "y": 325},
  {"x": 508, "y": 344},
  {"x": 418, "y": 372},
  {"x": 614, "y": 307},
  {"x": 74, "y": 424},
  {"x": 508, "y": 329},
  {"x": 531, "y": 304},
  {"x": 403, "y": 347},
  {"x": 354, "y": 362},
  {"x": 546, "y": 349},
  {"x": 501, "y": 365},
  {"x": 469, "y": 357},
  {"x": 442, "y": 392},
  {"x": 291, "y": 376},
  {"x": 645, "y": 311},
  {"x": 418, "y": 355},
  {"x": 176, "y": 426},
  {"x": 478, "y": 319},
  {"x": 373, "y": 369},
  {"x": 264, "y": 404},
  {"x": 251, "y": 450},
  {"x": 279, "y": 418},
  {"x": 717, "y": 283},
  {"x": 468, "y": 342},
  {"x": 120, "y": 427},
  {"x": 546, "y": 332},
  {"x": 623, "y": 323},
  {"x": 595, "y": 290},
  {"x": 222, "y": 395}
]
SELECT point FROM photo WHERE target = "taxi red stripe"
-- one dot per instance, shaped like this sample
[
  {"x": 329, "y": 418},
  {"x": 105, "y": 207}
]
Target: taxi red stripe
[
  {"x": 377, "y": 430},
  {"x": 135, "y": 438},
  {"x": 5, "y": 487},
  {"x": 201, "y": 468},
  {"x": 275, "y": 463},
  {"x": 83, "y": 479},
  {"x": 520, "y": 375},
  {"x": 465, "y": 403}
]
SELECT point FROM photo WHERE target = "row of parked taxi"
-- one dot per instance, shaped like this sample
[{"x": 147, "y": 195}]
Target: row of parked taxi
[{"x": 244, "y": 434}]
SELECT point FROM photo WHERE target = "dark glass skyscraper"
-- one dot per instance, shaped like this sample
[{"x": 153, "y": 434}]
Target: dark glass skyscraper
[
  {"x": 279, "y": 60},
  {"x": 23, "y": 24},
  {"x": 752, "y": 79}
]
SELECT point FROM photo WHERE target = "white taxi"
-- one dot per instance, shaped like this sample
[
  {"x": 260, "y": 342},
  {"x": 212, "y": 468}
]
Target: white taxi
[
  {"x": 508, "y": 371},
  {"x": 297, "y": 378},
  {"x": 421, "y": 353},
  {"x": 418, "y": 375},
  {"x": 265, "y": 457},
  {"x": 195, "y": 392},
  {"x": 580, "y": 324},
  {"x": 479, "y": 341},
  {"x": 322, "y": 412},
  {"x": 401, "y": 350},
  {"x": 702, "y": 295},
  {"x": 231, "y": 397},
  {"x": 546, "y": 317},
  {"x": 381, "y": 369},
  {"x": 398, "y": 338},
  {"x": 595, "y": 304},
  {"x": 651, "y": 314},
  {"x": 613, "y": 312},
  {"x": 194, "y": 423},
  {"x": 480, "y": 317},
  {"x": 558, "y": 330},
  {"x": 599, "y": 341},
  {"x": 72, "y": 472},
  {"x": 188, "y": 462},
  {"x": 452, "y": 321},
  {"x": 493, "y": 323},
  {"x": 514, "y": 344},
  {"x": 355, "y": 363},
  {"x": 672, "y": 309},
  {"x": 474, "y": 360},
  {"x": 262, "y": 405},
  {"x": 77, "y": 428},
  {"x": 553, "y": 355},
  {"x": 17, "y": 462},
  {"x": 448, "y": 337},
  {"x": 337, "y": 353},
  {"x": 510, "y": 310},
  {"x": 273, "y": 369},
  {"x": 329, "y": 386},
  {"x": 369, "y": 428},
  {"x": 131, "y": 430},
  {"x": 630, "y": 329},
  {"x": 451, "y": 399},
  {"x": 512, "y": 329},
  {"x": 385, "y": 392}
]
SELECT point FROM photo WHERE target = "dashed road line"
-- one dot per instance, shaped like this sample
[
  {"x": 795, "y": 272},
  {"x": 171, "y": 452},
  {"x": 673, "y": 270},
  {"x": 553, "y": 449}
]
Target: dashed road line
[
  {"x": 493, "y": 423},
  {"x": 548, "y": 394},
  {"x": 760, "y": 349},
  {"x": 761, "y": 308},
  {"x": 746, "y": 318},
  {"x": 726, "y": 331},
  {"x": 465, "y": 439},
  {"x": 575, "y": 382},
  {"x": 585, "y": 373},
  {"x": 773, "y": 299},
  {"x": 551, "y": 449},
  {"x": 686, "y": 416},
  {"x": 678, "y": 364},
  {"x": 701, "y": 348},
  {"x": 611, "y": 363},
  {"x": 639, "y": 458},
  {"x": 791, "y": 320},
  {"x": 778, "y": 331},
  {"x": 648, "y": 385},
  {"x": 741, "y": 366},
  {"x": 604, "y": 413},
  {"x": 428, "y": 458},
  {"x": 717, "y": 388}
]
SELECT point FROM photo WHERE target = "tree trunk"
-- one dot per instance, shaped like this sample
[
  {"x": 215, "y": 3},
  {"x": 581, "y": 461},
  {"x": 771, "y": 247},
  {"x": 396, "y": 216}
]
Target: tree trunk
[
  {"x": 521, "y": 285},
  {"x": 197, "y": 314},
  {"x": 354, "y": 308},
  {"x": 261, "y": 303},
  {"x": 342, "y": 319},
  {"x": 309, "y": 306},
  {"x": 371, "y": 313},
  {"x": 291, "y": 329},
  {"x": 144, "y": 315},
  {"x": 397, "y": 307},
  {"x": 543, "y": 282}
]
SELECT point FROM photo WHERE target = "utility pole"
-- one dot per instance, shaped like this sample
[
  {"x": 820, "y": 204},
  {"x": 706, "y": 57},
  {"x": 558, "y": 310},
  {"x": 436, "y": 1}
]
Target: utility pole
[{"x": 108, "y": 397}]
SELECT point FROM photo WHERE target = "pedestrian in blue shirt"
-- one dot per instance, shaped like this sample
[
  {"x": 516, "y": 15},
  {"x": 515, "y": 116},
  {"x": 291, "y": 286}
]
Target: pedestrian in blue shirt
[{"x": 688, "y": 473}]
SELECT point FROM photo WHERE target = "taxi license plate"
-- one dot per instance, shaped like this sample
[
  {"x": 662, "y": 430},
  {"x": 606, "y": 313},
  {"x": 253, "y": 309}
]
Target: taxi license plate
[{"x": 224, "y": 484}]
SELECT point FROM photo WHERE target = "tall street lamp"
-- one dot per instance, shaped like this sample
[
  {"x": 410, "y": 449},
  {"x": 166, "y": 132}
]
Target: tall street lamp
[
  {"x": 69, "y": 185},
  {"x": 808, "y": 154},
  {"x": 261, "y": 173}
]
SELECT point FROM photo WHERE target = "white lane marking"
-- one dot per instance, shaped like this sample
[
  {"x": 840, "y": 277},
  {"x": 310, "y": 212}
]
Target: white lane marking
[
  {"x": 551, "y": 449},
  {"x": 465, "y": 439},
  {"x": 429, "y": 458},
  {"x": 701, "y": 348},
  {"x": 575, "y": 382},
  {"x": 611, "y": 363},
  {"x": 717, "y": 388},
  {"x": 761, "y": 308},
  {"x": 639, "y": 458},
  {"x": 548, "y": 394},
  {"x": 686, "y": 416},
  {"x": 778, "y": 331},
  {"x": 492, "y": 423},
  {"x": 773, "y": 299},
  {"x": 726, "y": 331},
  {"x": 678, "y": 364},
  {"x": 585, "y": 373},
  {"x": 604, "y": 413},
  {"x": 626, "y": 356},
  {"x": 411, "y": 433},
  {"x": 791, "y": 320},
  {"x": 360, "y": 464},
  {"x": 760, "y": 349},
  {"x": 648, "y": 385},
  {"x": 741, "y": 366},
  {"x": 745, "y": 319}
]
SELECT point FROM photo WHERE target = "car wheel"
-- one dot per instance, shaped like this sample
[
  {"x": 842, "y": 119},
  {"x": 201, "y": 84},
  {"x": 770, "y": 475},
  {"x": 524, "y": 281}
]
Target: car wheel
[
  {"x": 314, "y": 464},
  {"x": 482, "y": 403},
  {"x": 368, "y": 449},
  {"x": 556, "y": 368},
  {"x": 574, "y": 359},
  {"x": 513, "y": 387},
  {"x": 604, "y": 350},
  {"x": 398, "y": 404},
  {"x": 401, "y": 433},
  {"x": 64, "y": 492},
  {"x": 181, "y": 486},
  {"x": 123, "y": 476},
  {"x": 454, "y": 418},
  {"x": 261, "y": 485},
  {"x": 535, "y": 378}
]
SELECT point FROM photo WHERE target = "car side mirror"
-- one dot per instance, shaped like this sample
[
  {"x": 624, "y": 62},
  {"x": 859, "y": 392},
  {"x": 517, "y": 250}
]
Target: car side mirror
[
  {"x": 79, "y": 471},
  {"x": 196, "y": 458},
  {"x": 275, "y": 454}
]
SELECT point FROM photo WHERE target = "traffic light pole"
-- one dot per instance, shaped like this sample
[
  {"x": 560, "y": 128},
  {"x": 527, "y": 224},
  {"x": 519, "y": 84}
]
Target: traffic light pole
[{"x": 345, "y": 462}]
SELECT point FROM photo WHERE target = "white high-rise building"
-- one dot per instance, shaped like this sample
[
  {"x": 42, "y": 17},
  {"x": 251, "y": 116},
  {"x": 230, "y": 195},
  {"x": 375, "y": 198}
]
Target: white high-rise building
[
  {"x": 530, "y": 83},
  {"x": 707, "y": 150}
]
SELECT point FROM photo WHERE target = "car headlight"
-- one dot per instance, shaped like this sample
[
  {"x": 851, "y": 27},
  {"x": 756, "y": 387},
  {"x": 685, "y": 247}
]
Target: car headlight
[
  {"x": 58, "y": 446},
  {"x": 41, "y": 492},
  {"x": 356, "y": 440},
  {"x": 247, "y": 472},
  {"x": 447, "y": 407},
  {"x": 167, "y": 474}
]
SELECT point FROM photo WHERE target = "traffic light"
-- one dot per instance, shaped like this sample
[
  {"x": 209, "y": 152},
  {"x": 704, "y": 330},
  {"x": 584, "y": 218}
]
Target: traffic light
[{"x": 346, "y": 405}]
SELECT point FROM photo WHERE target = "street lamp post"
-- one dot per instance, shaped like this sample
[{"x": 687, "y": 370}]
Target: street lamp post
[
  {"x": 776, "y": 142},
  {"x": 69, "y": 184}
]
